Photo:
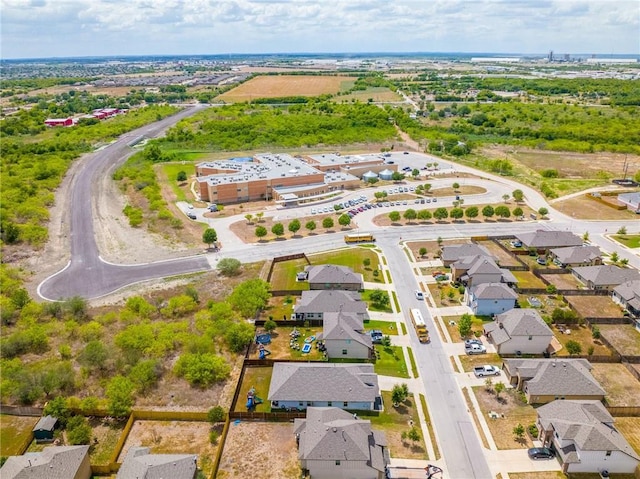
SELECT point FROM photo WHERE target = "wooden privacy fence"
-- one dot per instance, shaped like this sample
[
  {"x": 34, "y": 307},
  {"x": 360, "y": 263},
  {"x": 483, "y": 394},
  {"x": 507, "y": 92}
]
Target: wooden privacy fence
[
  {"x": 624, "y": 411},
  {"x": 280, "y": 259}
]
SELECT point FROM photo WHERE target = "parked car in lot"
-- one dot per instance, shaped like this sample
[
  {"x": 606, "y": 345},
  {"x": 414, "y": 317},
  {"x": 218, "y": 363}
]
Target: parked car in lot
[
  {"x": 541, "y": 453},
  {"x": 486, "y": 370},
  {"x": 475, "y": 349},
  {"x": 419, "y": 295},
  {"x": 191, "y": 215}
]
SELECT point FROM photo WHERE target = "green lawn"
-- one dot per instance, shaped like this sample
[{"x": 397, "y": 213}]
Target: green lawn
[
  {"x": 375, "y": 307},
  {"x": 14, "y": 433},
  {"x": 353, "y": 258},
  {"x": 172, "y": 170},
  {"x": 260, "y": 379},
  {"x": 527, "y": 279},
  {"x": 284, "y": 275},
  {"x": 630, "y": 241},
  {"x": 278, "y": 308},
  {"x": 391, "y": 362},
  {"x": 387, "y": 327}
]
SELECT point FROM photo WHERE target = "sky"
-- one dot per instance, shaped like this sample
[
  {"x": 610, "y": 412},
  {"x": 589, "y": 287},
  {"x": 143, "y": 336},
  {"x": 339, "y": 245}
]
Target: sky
[{"x": 63, "y": 28}]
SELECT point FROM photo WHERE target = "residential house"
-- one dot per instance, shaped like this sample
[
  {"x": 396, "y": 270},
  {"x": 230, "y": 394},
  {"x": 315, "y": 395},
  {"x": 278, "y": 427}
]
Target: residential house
[
  {"x": 301, "y": 385},
  {"x": 606, "y": 276},
  {"x": 54, "y": 462},
  {"x": 44, "y": 429},
  {"x": 475, "y": 270},
  {"x": 545, "y": 240},
  {"x": 140, "y": 463},
  {"x": 314, "y": 304},
  {"x": 544, "y": 380},
  {"x": 584, "y": 437},
  {"x": 331, "y": 276},
  {"x": 344, "y": 337},
  {"x": 519, "y": 331},
  {"x": 576, "y": 256},
  {"x": 452, "y": 253},
  {"x": 488, "y": 299},
  {"x": 631, "y": 201},
  {"x": 627, "y": 295},
  {"x": 333, "y": 444}
]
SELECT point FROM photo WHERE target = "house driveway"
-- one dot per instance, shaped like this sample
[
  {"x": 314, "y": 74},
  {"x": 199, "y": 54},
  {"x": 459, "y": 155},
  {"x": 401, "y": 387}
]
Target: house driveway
[{"x": 517, "y": 460}]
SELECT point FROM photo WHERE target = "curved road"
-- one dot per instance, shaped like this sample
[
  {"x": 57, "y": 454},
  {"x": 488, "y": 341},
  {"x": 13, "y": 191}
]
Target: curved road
[{"x": 87, "y": 275}]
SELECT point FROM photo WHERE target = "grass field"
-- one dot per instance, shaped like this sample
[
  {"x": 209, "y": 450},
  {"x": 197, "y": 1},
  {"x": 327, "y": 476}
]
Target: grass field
[
  {"x": 284, "y": 275},
  {"x": 394, "y": 421},
  {"x": 171, "y": 171},
  {"x": 391, "y": 362},
  {"x": 622, "y": 388},
  {"x": 260, "y": 379},
  {"x": 14, "y": 433},
  {"x": 375, "y": 307},
  {"x": 353, "y": 258},
  {"x": 526, "y": 279},
  {"x": 279, "y": 308},
  {"x": 275, "y": 86},
  {"x": 387, "y": 327},
  {"x": 630, "y": 241},
  {"x": 376, "y": 94}
]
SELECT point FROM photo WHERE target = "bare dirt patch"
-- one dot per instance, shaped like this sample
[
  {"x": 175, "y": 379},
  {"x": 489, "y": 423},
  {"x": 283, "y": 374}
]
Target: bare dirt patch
[
  {"x": 173, "y": 437},
  {"x": 622, "y": 388},
  {"x": 285, "y": 85},
  {"x": 268, "y": 449},
  {"x": 623, "y": 337},
  {"x": 504, "y": 258},
  {"x": 595, "y": 306},
  {"x": 585, "y": 208},
  {"x": 583, "y": 336},
  {"x": 563, "y": 281}
]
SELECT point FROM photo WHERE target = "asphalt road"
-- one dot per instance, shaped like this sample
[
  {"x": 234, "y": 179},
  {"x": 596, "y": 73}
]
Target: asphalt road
[{"x": 87, "y": 275}]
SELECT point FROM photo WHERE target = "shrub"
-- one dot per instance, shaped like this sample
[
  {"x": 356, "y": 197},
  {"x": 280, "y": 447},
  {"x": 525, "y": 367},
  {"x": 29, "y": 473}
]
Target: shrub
[
  {"x": 533, "y": 430},
  {"x": 216, "y": 414}
]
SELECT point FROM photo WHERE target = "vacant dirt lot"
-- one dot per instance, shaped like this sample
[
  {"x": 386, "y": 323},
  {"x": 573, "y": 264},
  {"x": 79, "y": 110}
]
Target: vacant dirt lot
[
  {"x": 582, "y": 207},
  {"x": 433, "y": 250},
  {"x": 173, "y": 437},
  {"x": 594, "y": 306},
  {"x": 623, "y": 389},
  {"x": 623, "y": 337},
  {"x": 262, "y": 449},
  {"x": 285, "y": 85}
]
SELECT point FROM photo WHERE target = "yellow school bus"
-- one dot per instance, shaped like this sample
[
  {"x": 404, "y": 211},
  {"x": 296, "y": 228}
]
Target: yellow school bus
[
  {"x": 419, "y": 325},
  {"x": 359, "y": 238}
]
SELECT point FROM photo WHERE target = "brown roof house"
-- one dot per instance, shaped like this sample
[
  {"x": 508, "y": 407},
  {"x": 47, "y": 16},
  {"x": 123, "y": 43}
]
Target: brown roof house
[
  {"x": 544, "y": 380},
  {"x": 627, "y": 295},
  {"x": 299, "y": 385},
  {"x": 54, "y": 462},
  {"x": 343, "y": 336},
  {"x": 333, "y": 443},
  {"x": 314, "y": 304},
  {"x": 585, "y": 439},
  {"x": 606, "y": 276},
  {"x": 331, "y": 276},
  {"x": 544, "y": 240},
  {"x": 576, "y": 256},
  {"x": 519, "y": 331},
  {"x": 140, "y": 463}
]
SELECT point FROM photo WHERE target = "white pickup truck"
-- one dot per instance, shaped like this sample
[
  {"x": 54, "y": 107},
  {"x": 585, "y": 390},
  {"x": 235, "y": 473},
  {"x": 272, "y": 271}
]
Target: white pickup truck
[{"x": 486, "y": 370}]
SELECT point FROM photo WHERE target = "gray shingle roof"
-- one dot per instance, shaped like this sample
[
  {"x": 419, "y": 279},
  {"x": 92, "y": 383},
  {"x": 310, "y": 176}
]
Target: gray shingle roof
[
  {"x": 549, "y": 239},
  {"x": 455, "y": 252},
  {"x": 554, "y": 377},
  {"x": 46, "y": 423},
  {"x": 333, "y": 274},
  {"x": 605, "y": 275},
  {"x": 628, "y": 290},
  {"x": 54, "y": 462},
  {"x": 484, "y": 265},
  {"x": 493, "y": 291},
  {"x": 576, "y": 254},
  {"x": 330, "y": 434},
  {"x": 517, "y": 322},
  {"x": 139, "y": 463},
  {"x": 330, "y": 301},
  {"x": 323, "y": 382},
  {"x": 587, "y": 423},
  {"x": 344, "y": 326}
]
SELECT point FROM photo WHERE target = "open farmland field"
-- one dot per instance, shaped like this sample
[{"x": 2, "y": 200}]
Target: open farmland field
[
  {"x": 285, "y": 85},
  {"x": 377, "y": 94}
]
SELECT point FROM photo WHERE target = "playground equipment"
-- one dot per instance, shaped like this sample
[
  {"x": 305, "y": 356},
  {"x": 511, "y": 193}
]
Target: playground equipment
[
  {"x": 252, "y": 399},
  {"x": 263, "y": 338},
  {"x": 263, "y": 352}
]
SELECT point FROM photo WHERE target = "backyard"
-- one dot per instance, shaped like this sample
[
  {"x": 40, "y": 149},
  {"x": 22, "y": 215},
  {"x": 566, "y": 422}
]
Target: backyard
[
  {"x": 258, "y": 378},
  {"x": 595, "y": 306},
  {"x": 106, "y": 433},
  {"x": 280, "y": 346},
  {"x": 394, "y": 421},
  {"x": 510, "y": 411},
  {"x": 563, "y": 281},
  {"x": 503, "y": 257},
  {"x": 390, "y": 361},
  {"x": 583, "y": 336},
  {"x": 526, "y": 279},
  {"x": 623, "y": 337},
  {"x": 623, "y": 389},
  {"x": 14, "y": 433},
  {"x": 279, "y": 308},
  {"x": 630, "y": 429}
]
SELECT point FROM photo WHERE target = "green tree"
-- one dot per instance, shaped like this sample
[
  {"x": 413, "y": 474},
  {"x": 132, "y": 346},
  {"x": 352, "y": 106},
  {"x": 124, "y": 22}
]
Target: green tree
[
  {"x": 278, "y": 229},
  {"x": 399, "y": 393},
  {"x": 294, "y": 226},
  {"x": 202, "y": 370},
  {"x": 518, "y": 432},
  {"x": 517, "y": 212},
  {"x": 410, "y": 214},
  {"x": 502, "y": 211},
  {"x": 622, "y": 230},
  {"x": 595, "y": 332},
  {"x": 181, "y": 176},
  {"x": 261, "y": 232},
  {"x": 456, "y": 186},
  {"x": 77, "y": 307},
  {"x": 229, "y": 266},
  {"x": 397, "y": 176},
  {"x": 119, "y": 394},
  {"x": 518, "y": 195},
  {"x": 573, "y": 347},
  {"x": 464, "y": 325},
  {"x": 471, "y": 212},
  {"x": 499, "y": 388},
  {"x": 249, "y": 218},
  {"x": 415, "y": 172},
  {"x": 145, "y": 375},
  {"x": 424, "y": 215},
  {"x": 250, "y": 296},
  {"x": 209, "y": 236},
  {"x": 270, "y": 325},
  {"x": 344, "y": 220},
  {"x": 58, "y": 407},
  {"x": 456, "y": 213},
  {"x": 259, "y": 216},
  {"x": 394, "y": 216},
  {"x": 78, "y": 431},
  {"x": 441, "y": 214},
  {"x": 488, "y": 211},
  {"x": 413, "y": 434},
  {"x": 94, "y": 355},
  {"x": 615, "y": 257},
  {"x": 585, "y": 236},
  {"x": 543, "y": 212},
  {"x": 422, "y": 251},
  {"x": 505, "y": 197},
  {"x": 366, "y": 262},
  {"x": 216, "y": 414},
  {"x": 327, "y": 223},
  {"x": 310, "y": 225},
  {"x": 380, "y": 298}
]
